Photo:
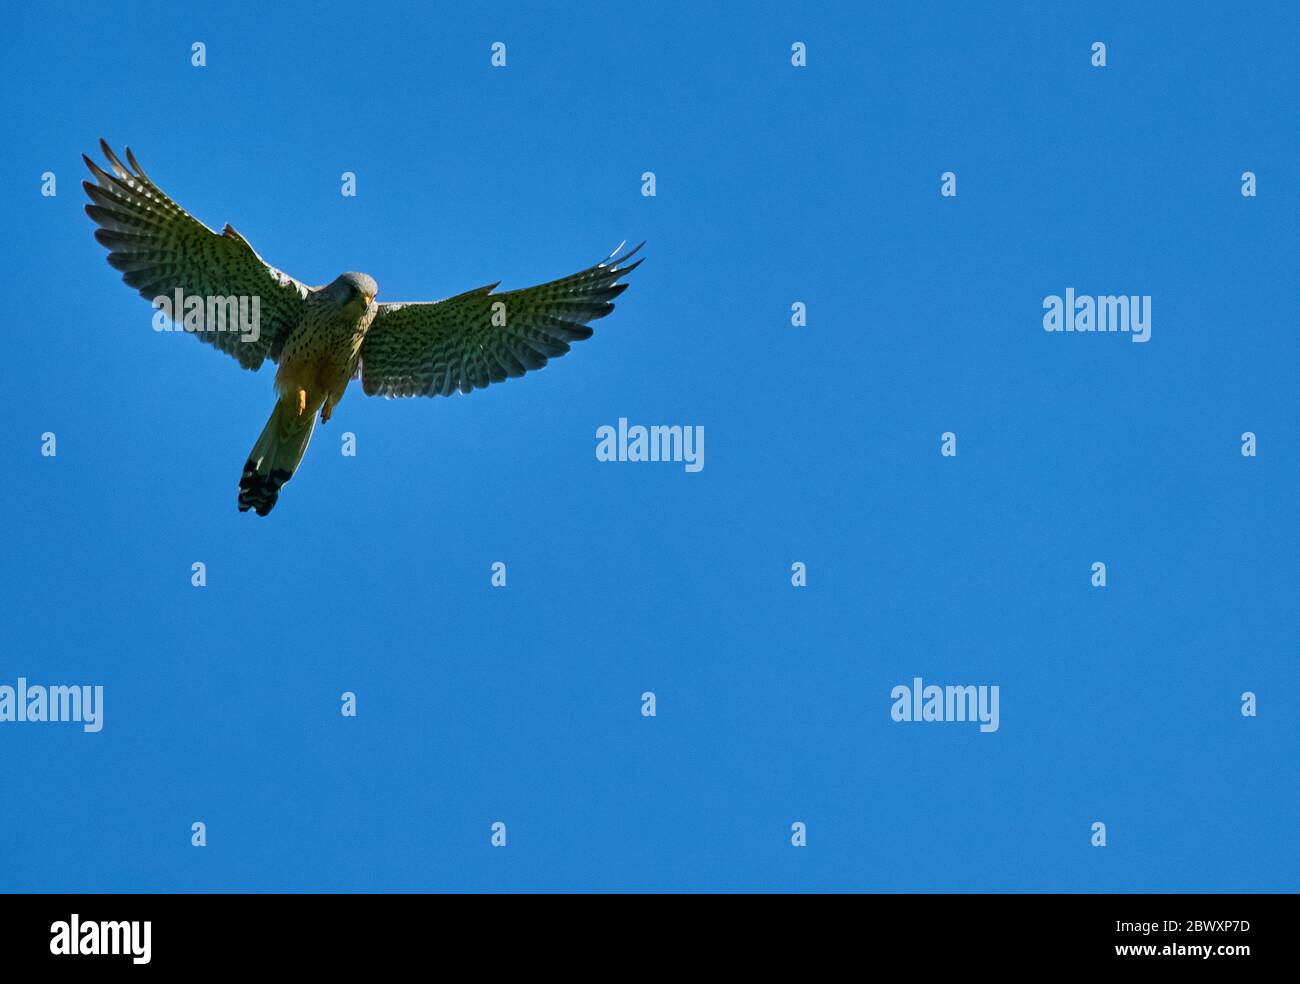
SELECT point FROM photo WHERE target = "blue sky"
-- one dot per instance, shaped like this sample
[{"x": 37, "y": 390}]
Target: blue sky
[{"x": 522, "y": 704}]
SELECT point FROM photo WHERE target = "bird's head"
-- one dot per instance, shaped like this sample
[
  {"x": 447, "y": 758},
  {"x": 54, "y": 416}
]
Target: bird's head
[{"x": 354, "y": 290}]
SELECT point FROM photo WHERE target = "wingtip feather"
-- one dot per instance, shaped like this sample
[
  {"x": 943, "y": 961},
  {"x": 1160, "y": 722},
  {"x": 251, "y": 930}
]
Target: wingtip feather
[{"x": 615, "y": 259}]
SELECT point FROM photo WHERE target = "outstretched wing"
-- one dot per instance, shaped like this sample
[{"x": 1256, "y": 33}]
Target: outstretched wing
[
  {"x": 476, "y": 338},
  {"x": 160, "y": 248}
]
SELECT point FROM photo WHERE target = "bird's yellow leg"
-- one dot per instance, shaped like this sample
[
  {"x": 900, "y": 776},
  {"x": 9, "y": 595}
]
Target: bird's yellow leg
[
  {"x": 302, "y": 401},
  {"x": 326, "y": 409}
]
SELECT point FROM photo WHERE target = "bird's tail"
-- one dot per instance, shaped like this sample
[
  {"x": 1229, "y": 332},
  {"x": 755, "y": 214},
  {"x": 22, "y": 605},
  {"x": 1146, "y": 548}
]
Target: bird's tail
[{"x": 274, "y": 457}]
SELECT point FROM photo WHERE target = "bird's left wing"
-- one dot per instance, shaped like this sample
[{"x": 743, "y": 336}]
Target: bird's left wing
[
  {"x": 477, "y": 338},
  {"x": 160, "y": 249}
]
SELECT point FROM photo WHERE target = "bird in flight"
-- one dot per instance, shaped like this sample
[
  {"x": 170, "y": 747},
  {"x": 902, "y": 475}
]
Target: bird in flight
[{"x": 323, "y": 337}]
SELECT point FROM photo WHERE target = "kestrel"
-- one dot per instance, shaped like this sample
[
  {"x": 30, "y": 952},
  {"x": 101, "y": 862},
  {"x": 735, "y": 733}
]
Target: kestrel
[{"x": 323, "y": 337}]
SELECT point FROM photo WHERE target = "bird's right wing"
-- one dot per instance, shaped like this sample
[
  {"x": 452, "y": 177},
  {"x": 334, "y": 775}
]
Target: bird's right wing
[
  {"x": 476, "y": 338},
  {"x": 160, "y": 248}
]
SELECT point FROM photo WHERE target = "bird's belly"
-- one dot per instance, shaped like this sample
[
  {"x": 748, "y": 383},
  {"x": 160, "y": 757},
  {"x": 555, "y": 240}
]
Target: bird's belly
[{"x": 319, "y": 365}]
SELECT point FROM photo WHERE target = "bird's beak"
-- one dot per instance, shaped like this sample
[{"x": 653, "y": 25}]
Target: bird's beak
[{"x": 369, "y": 298}]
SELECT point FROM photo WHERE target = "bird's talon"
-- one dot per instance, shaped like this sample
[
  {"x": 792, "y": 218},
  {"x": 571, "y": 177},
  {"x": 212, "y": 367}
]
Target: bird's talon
[{"x": 325, "y": 413}]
